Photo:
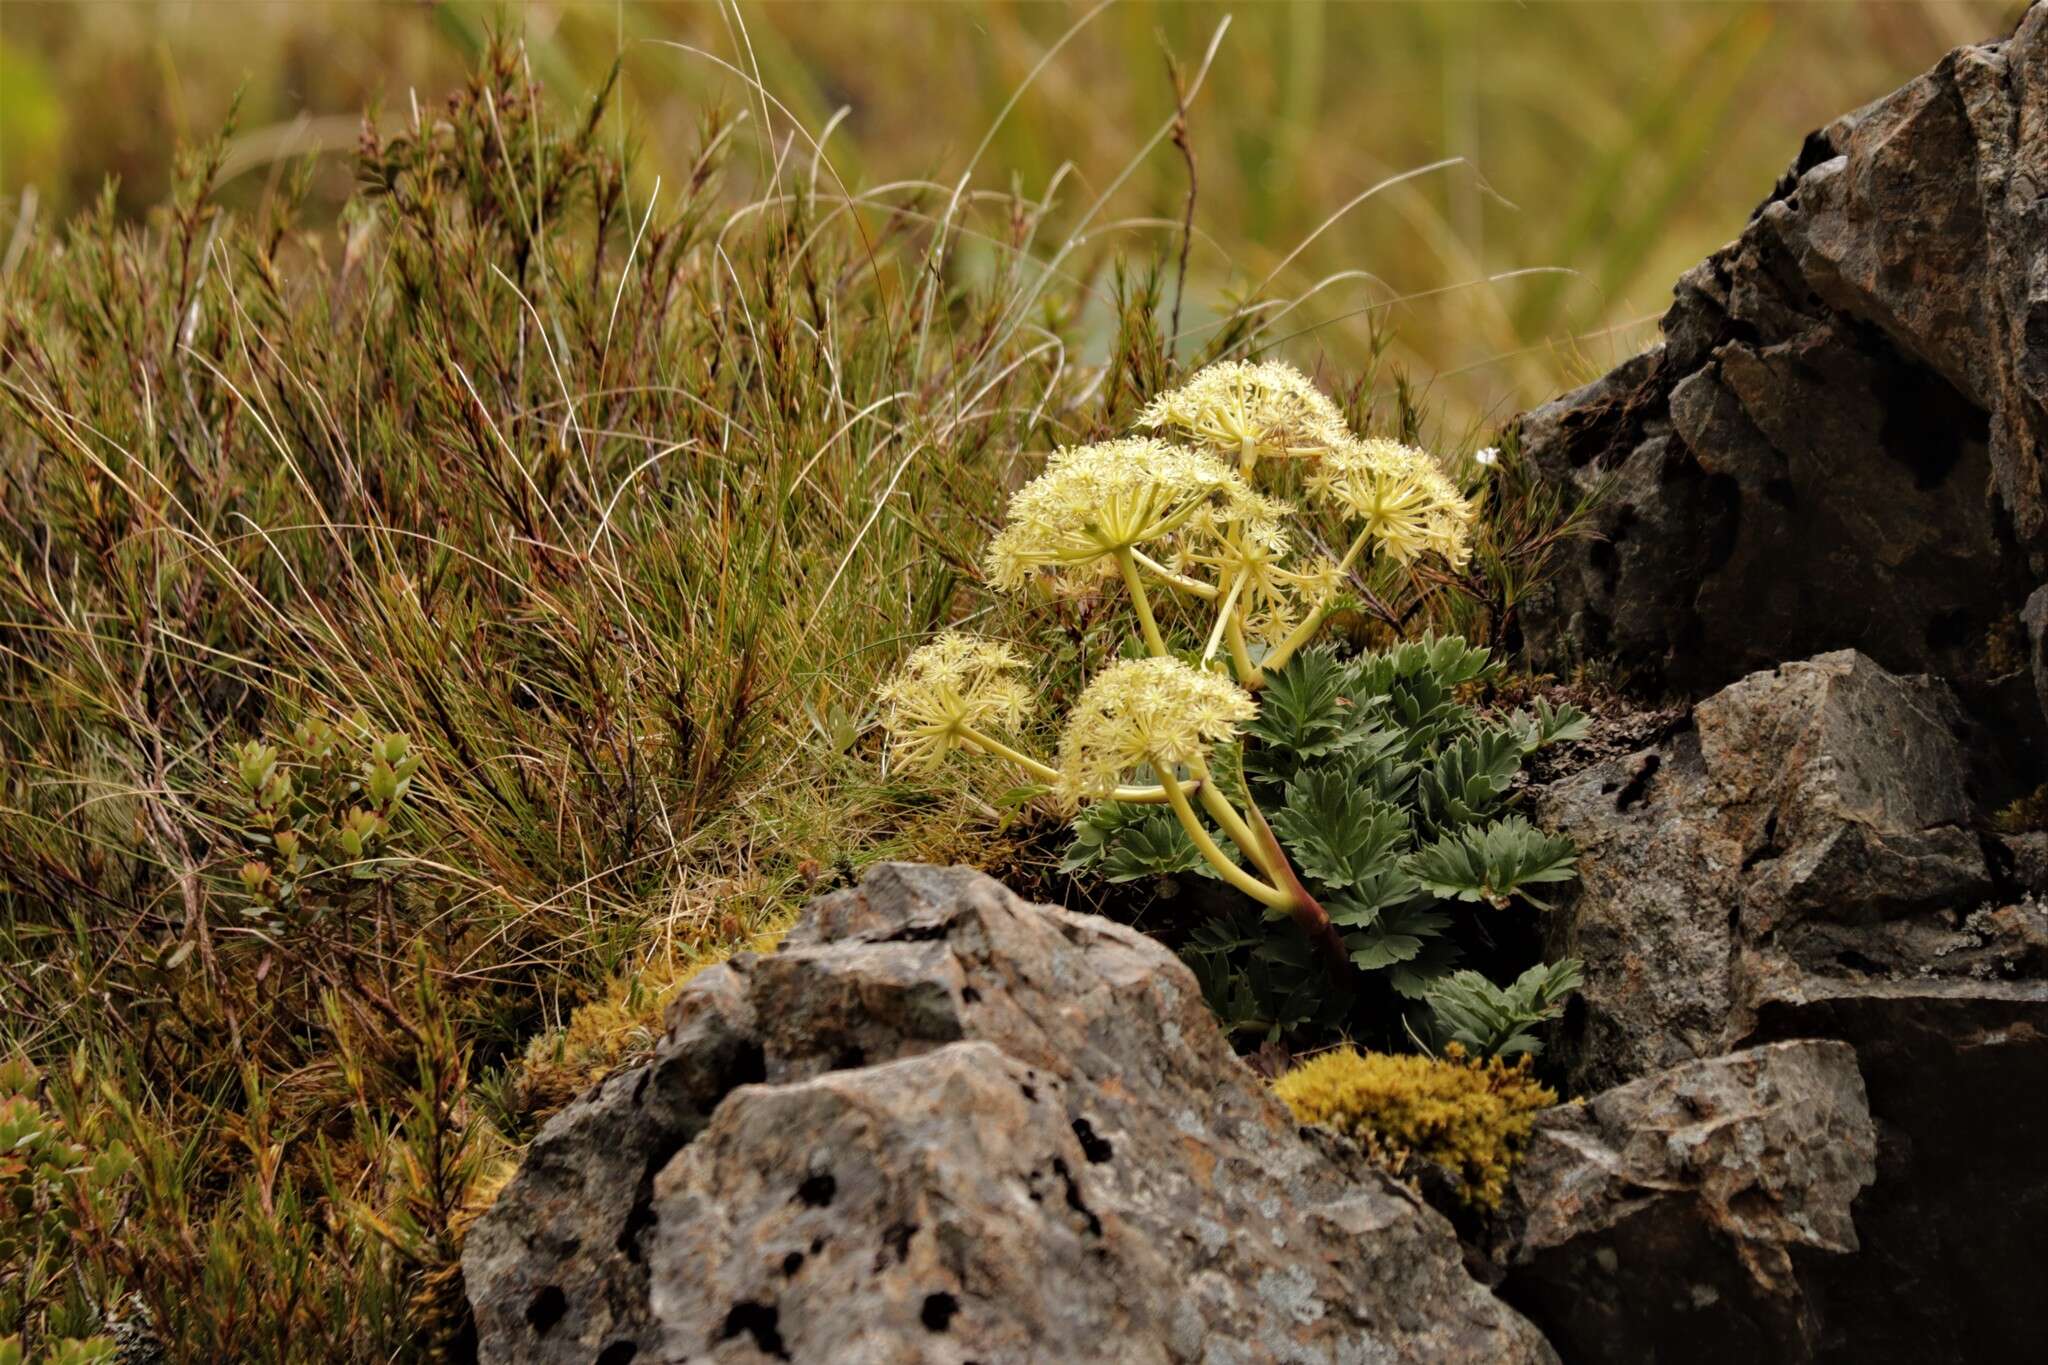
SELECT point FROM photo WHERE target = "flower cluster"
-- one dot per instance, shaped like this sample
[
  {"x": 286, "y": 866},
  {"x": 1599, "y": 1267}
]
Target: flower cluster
[
  {"x": 1178, "y": 512},
  {"x": 948, "y": 693},
  {"x": 1094, "y": 502},
  {"x": 1250, "y": 411},
  {"x": 1157, "y": 713},
  {"x": 1399, "y": 496}
]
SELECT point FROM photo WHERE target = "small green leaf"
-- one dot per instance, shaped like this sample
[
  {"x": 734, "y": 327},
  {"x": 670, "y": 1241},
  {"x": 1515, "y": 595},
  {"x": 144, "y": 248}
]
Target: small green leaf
[{"x": 1495, "y": 862}]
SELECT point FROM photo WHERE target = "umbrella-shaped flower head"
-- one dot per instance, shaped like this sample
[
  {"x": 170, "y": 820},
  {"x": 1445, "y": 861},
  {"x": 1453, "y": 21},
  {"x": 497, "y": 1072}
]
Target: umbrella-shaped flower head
[
  {"x": 1095, "y": 501},
  {"x": 1405, "y": 501},
  {"x": 1158, "y": 713},
  {"x": 955, "y": 684},
  {"x": 1248, "y": 411}
]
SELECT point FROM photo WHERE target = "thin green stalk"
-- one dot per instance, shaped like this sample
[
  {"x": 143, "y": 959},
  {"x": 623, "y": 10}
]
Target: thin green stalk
[
  {"x": 1313, "y": 622},
  {"x": 1167, "y": 576},
  {"x": 1153, "y": 640},
  {"x": 1224, "y": 616},
  {"x": 1240, "y": 657},
  {"x": 1045, "y": 772},
  {"x": 1229, "y": 871},
  {"x": 1224, "y": 814}
]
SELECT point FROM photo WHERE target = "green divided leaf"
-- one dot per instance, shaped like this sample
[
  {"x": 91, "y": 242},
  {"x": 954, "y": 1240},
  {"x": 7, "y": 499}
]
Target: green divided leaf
[
  {"x": 1549, "y": 725},
  {"x": 1492, "y": 1021},
  {"x": 1467, "y": 780},
  {"x": 1305, "y": 713},
  {"x": 1336, "y": 833},
  {"x": 1122, "y": 842},
  {"x": 1495, "y": 862}
]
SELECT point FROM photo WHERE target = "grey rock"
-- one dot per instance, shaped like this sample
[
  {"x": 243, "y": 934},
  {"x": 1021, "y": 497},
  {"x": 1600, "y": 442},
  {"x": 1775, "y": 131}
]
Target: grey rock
[
  {"x": 1798, "y": 865},
  {"x": 1955, "y": 1230},
  {"x": 1840, "y": 442},
  {"x": 942, "y": 1124},
  {"x": 1680, "y": 1217},
  {"x": 1812, "y": 821}
]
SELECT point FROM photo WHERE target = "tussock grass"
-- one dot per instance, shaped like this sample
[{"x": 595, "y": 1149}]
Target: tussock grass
[{"x": 613, "y": 510}]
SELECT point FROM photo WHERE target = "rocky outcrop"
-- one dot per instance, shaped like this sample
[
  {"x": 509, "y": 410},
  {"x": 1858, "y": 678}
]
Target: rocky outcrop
[
  {"x": 942, "y": 1124},
  {"x": 1799, "y": 863},
  {"x": 1810, "y": 827},
  {"x": 1843, "y": 439},
  {"x": 1679, "y": 1218}
]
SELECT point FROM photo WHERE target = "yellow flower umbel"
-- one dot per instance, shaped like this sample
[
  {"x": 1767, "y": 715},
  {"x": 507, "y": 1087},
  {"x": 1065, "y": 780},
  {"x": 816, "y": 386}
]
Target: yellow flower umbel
[
  {"x": 1096, "y": 505},
  {"x": 1403, "y": 501},
  {"x": 1245, "y": 550},
  {"x": 1096, "y": 501},
  {"x": 1156, "y": 712},
  {"x": 949, "y": 694},
  {"x": 1164, "y": 714},
  {"x": 1249, "y": 411}
]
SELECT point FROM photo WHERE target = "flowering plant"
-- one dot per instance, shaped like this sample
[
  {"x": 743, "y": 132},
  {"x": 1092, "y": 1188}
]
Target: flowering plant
[{"x": 1385, "y": 788}]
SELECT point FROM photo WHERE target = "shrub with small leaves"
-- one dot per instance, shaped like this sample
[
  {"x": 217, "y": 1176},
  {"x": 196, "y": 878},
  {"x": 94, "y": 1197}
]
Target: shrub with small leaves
[
  {"x": 1471, "y": 1117},
  {"x": 62, "y": 1186},
  {"x": 316, "y": 816}
]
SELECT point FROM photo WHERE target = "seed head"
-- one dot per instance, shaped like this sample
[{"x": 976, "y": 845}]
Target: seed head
[
  {"x": 1156, "y": 712},
  {"x": 1405, "y": 501},
  {"x": 1093, "y": 501},
  {"x": 1247, "y": 410},
  {"x": 955, "y": 683}
]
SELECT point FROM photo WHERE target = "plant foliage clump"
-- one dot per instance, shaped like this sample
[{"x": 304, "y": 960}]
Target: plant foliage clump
[
  {"x": 1470, "y": 1116},
  {"x": 1366, "y": 799}
]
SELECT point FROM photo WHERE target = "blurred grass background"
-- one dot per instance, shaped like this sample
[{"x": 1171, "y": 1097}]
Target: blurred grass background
[{"x": 1619, "y": 142}]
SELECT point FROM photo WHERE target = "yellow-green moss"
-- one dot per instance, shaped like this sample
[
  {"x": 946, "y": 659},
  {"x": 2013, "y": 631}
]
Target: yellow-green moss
[
  {"x": 1471, "y": 1118},
  {"x": 625, "y": 1021},
  {"x": 2029, "y": 812}
]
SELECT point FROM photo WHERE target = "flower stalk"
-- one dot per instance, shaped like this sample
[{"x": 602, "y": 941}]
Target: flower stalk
[{"x": 1190, "y": 517}]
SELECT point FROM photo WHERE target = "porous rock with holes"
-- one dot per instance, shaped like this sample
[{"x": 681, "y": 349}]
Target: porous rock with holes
[{"x": 941, "y": 1124}]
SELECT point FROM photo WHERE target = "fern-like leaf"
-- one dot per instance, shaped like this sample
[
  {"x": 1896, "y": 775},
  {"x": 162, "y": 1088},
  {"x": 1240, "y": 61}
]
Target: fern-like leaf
[
  {"x": 1467, "y": 780},
  {"x": 1548, "y": 725},
  {"x": 1336, "y": 834},
  {"x": 1120, "y": 842},
  {"x": 1492, "y": 1021},
  {"x": 1494, "y": 863}
]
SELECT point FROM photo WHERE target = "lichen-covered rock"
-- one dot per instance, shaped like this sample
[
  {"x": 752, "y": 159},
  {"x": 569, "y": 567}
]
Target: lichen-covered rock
[
  {"x": 1843, "y": 440},
  {"x": 1678, "y": 1218},
  {"x": 942, "y": 1124}
]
